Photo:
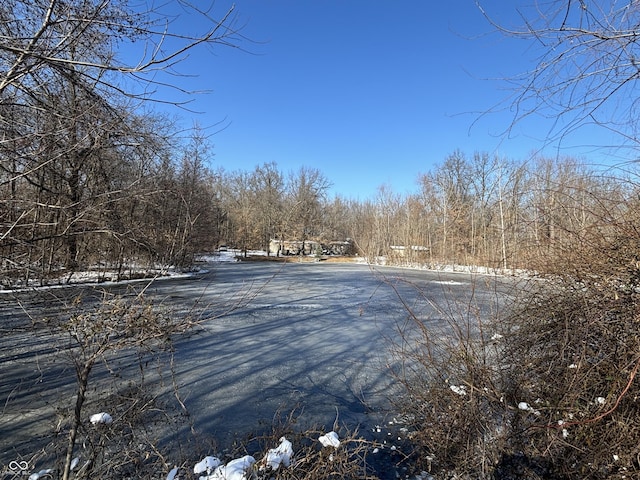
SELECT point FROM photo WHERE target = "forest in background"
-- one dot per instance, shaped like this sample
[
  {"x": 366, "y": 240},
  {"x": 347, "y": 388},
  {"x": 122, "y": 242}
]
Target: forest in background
[
  {"x": 93, "y": 177},
  {"x": 126, "y": 199}
]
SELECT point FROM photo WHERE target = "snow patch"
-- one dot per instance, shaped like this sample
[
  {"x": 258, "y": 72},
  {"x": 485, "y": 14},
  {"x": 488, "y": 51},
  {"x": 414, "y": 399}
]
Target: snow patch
[
  {"x": 524, "y": 406},
  {"x": 172, "y": 473},
  {"x": 448, "y": 282},
  {"x": 207, "y": 464},
  {"x": 237, "y": 469},
  {"x": 101, "y": 417},
  {"x": 281, "y": 455},
  {"x": 41, "y": 473},
  {"x": 330, "y": 440},
  {"x": 459, "y": 389}
]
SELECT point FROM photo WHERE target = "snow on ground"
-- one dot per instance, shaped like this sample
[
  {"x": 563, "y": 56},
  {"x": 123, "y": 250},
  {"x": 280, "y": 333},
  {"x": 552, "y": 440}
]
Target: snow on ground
[
  {"x": 207, "y": 465},
  {"x": 98, "y": 277},
  {"x": 240, "y": 468},
  {"x": 224, "y": 256},
  {"x": 101, "y": 417},
  {"x": 105, "y": 277},
  {"x": 330, "y": 440},
  {"x": 443, "y": 267},
  {"x": 281, "y": 455}
]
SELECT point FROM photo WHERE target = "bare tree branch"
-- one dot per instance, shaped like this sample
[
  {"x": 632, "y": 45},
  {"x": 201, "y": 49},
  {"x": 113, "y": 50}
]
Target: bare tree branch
[{"x": 587, "y": 68}]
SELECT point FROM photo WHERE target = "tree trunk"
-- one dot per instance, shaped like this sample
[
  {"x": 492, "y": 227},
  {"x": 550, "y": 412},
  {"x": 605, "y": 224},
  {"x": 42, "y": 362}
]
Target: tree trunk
[{"x": 83, "y": 380}]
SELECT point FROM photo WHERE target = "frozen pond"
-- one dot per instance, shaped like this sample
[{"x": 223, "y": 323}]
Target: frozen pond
[{"x": 274, "y": 337}]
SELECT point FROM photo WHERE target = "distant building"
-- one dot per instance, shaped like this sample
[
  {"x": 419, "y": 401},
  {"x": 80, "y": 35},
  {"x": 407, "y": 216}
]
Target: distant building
[
  {"x": 294, "y": 247},
  {"x": 309, "y": 247},
  {"x": 405, "y": 251},
  {"x": 339, "y": 248}
]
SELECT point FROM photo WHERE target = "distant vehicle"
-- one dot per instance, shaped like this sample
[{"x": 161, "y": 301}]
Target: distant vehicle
[{"x": 222, "y": 248}]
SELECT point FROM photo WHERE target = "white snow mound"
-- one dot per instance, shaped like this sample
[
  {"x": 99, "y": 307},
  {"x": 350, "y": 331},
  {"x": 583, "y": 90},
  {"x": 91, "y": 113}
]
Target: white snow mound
[
  {"x": 237, "y": 469},
  {"x": 281, "y": 455},
  {"x": 459, "y": 389},
  {"x": 41, "y": 473},
  {"x": 101, "y": 417},
  {"x": 524, "y": 406},
  {"x": 172, "y": 473},
  {"x": 207, "y": 464},
  {"x": 330, "y": 440}
]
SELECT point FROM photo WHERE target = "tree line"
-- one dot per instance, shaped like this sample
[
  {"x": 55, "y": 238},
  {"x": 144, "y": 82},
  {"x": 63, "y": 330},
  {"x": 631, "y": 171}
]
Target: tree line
[
  {"x": 490, "y": 211},
  {"x": 480, "y": 209},
  {"x": 89, "y": 174},
  {"x": 93, "y": 192},
  {"x": 92, "y": 177}
]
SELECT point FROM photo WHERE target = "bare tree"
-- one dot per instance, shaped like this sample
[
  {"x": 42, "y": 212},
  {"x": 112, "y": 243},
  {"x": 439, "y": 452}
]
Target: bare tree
[
  {"x": 197, "y": 221},
  {"x": 307, "y": 191},
  {"x": 385, "y": 231},
  {"x": 267, "y": 183},
  {"x": 113, "y": 326},
  {"x": 337, "y": 221},
  {"x": 79, "y": 40},
  {"x": 240, "y": 202},
  {"x": 451, "y": 199},
  {"x": 587, "y": 67},
  {"x": 74, "y": 139}
]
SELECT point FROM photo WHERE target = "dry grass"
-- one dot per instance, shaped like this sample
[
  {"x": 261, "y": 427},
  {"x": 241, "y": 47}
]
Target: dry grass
[{"x": 556, "y": 394}]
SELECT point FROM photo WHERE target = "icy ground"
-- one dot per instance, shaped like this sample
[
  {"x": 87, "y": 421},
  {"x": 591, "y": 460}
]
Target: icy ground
[{"x": 307, "y": 336}]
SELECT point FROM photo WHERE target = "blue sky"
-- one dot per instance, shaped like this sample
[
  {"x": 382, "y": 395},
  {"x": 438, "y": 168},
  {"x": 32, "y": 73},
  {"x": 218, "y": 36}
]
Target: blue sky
[{"x": 369, "y": 92}]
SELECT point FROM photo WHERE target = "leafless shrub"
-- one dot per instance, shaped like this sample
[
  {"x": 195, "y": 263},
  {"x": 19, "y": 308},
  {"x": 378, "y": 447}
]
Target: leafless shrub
[
  {"x": 574, "y": 350},
  {"x": 452, "y": 404},
  {"x": 550, "y": 389},
  {"x": 118, "y": 347},
  {"x": 352, "y": 459}
]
